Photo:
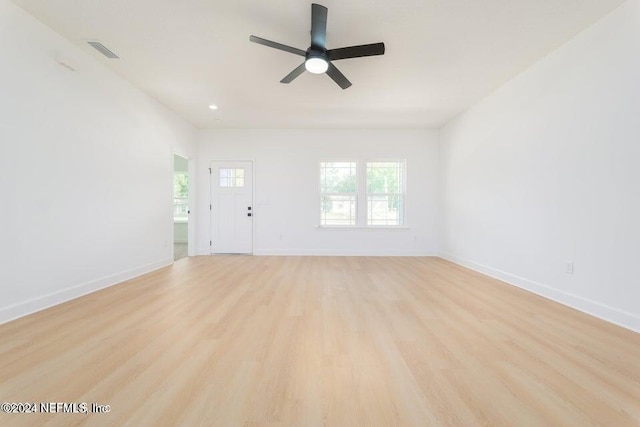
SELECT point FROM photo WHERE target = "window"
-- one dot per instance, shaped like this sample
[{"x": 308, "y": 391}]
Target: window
[
  {"x": 385, "y": 193},
  {"x": 373, "y": 199},
  {"x": 338, "y": 193},
  {"x": 180, "y": 196},
  {"x": 232, "y": 177}
]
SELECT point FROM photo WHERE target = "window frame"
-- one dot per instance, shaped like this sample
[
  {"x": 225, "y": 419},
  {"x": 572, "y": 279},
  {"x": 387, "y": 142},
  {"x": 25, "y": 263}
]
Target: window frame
[
  {"x": 361, "y": 194},
  {"x": 348, "y": 194},
  {"x": 402, "y": 194}
]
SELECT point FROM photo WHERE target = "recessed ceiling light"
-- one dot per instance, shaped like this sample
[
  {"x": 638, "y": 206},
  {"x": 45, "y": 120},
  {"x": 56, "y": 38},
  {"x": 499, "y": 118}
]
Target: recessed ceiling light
[{"x": 213, "y": 107}]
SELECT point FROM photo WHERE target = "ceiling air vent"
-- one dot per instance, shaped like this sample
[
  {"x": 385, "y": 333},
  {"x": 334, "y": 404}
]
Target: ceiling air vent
[{"x": 103, "y": 49}]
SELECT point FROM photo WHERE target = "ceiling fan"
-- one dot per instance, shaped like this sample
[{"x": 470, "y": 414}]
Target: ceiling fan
[{"x": 317, "y": 58}]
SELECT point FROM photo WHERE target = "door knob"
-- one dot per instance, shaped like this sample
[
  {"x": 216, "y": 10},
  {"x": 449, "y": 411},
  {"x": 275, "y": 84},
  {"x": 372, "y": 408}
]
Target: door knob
[{"x": 249, "y": 214}]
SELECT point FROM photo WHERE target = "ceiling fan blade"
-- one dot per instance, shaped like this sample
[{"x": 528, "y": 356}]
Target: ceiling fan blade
[
  {"x": 279, "y": 46},
  {"x": 295, "y": 73},
  {"x": 338, "y": 77},
  {"x": 356, "y": 51},
  {"x": 318, "y": 25}
]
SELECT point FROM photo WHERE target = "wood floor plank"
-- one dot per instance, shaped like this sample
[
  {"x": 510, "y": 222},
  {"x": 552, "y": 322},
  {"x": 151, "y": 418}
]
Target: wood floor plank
[{"x": 312, "y": 341}]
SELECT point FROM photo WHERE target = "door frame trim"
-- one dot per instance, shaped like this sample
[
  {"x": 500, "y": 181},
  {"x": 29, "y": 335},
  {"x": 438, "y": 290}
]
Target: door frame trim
[{"x": 253, "y": 200}]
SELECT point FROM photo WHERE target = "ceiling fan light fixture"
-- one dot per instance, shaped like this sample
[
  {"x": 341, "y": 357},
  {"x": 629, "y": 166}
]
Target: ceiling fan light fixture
[
  {"x": 316, "y": 65},
  {"x": 319, "y": 59}
]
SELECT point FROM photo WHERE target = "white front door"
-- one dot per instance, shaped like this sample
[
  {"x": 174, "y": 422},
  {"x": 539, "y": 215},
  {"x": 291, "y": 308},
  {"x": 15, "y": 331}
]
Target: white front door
[{"x": 232, "y": 207}]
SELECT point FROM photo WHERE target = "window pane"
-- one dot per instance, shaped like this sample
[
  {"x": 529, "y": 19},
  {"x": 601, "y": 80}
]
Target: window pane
[
  {"x": 181, "y": 184},
  {"x": 337, "y": 177},
  {"x": 180, "y": 195},
  {"x": 338, "y": 210},
  {"x": 386, "y": 209},
  {"x": 231, "y": 177},
  {"x": 180, "y": 208},
  {"x": 225, "y": 177},
  {"x": 384, "y": 177}
]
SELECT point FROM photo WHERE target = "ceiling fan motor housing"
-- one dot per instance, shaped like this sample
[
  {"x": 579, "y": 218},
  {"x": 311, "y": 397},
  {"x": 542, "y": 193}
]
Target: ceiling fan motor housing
[{"x": 317, "y": 52}]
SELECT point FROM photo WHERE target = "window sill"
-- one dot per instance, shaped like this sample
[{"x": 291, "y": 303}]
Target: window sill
[{"x": 359, "y": 227}]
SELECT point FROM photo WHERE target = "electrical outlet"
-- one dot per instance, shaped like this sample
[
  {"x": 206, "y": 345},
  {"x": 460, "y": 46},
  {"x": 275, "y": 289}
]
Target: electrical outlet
[{"x": 570, "y": 267}]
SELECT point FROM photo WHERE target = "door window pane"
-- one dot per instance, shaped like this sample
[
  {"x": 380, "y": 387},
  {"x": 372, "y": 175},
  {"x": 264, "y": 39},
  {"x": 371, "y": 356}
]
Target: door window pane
[{"x": 231, "y": 177}]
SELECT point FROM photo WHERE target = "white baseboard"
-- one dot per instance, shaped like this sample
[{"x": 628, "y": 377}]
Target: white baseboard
[
  {"x": 593, "y": 308},
  {"x": 343, "y": 252},
  {"x": 40, "y": 303}
]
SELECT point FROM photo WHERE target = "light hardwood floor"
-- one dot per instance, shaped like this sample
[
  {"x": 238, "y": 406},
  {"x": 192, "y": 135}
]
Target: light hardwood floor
[{"x": 306, "y": 341}]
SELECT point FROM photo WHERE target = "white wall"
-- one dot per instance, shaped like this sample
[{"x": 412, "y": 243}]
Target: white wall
[
  {"x": 83, "y": 151},
  {"x": 546, "y": 171},
  {"x": 286, "y": 198}
]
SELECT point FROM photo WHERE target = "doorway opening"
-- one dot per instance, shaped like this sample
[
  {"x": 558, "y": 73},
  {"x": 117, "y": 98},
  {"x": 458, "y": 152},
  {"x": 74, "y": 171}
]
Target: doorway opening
[{"x": 181, "y": 209}]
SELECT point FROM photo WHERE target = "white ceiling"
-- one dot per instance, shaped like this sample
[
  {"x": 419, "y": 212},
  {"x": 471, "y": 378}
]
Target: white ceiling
[{"x": 441, "y": 56}]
